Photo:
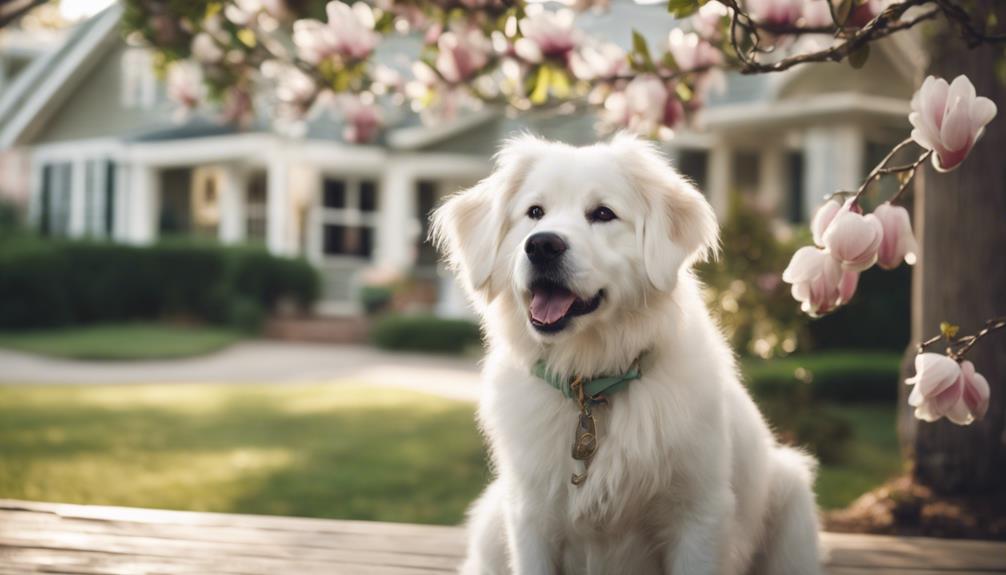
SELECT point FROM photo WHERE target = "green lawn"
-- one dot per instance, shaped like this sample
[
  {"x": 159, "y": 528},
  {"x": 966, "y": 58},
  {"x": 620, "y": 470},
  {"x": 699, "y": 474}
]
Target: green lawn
[
  {"x": 335, "y": 450},
  {"x": 121, "y": 341},
  {"x": 871, "y": 458}
]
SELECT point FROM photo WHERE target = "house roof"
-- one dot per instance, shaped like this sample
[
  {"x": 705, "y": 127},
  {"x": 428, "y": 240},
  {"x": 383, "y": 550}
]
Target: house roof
[{"x": 49, "y": 80}]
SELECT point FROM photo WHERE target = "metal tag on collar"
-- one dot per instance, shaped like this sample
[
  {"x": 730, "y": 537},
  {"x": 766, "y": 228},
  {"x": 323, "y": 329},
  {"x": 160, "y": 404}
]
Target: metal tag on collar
[{"x": 585, "y": 435}]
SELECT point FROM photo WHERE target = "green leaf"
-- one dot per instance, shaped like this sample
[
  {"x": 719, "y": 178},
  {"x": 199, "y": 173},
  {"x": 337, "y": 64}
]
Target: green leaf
[
  {"x": 684, "y": 93},
  {"x": 642, "y": 50},
  {"x": 540, "y": 93},
  {"x": 858, "y": 58},
  {"x": 247, "y": 37},
  {"x": 683, "y": 8},
  {"x": 560, "y": 83},
  {"x": 843, "y": 11}
]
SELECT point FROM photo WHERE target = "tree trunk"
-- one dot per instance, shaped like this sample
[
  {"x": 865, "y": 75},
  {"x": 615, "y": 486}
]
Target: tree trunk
[{"x": 960, "y": 218}]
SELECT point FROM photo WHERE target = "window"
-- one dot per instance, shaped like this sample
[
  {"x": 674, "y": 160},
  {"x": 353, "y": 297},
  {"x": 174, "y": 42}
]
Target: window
[
  {"x": 348, "y": 217},
  {"x": 694, "y": 164},
  {"x": 426, "y": 192},
  {"x": 256, "y": 209},
  {"x": 54, "y": 199},
  {"x": 139, "y": 86},
  {"x": 746, "y": 172}
]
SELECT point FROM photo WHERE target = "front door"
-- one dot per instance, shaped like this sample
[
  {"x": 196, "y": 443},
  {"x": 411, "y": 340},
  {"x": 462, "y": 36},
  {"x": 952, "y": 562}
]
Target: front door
[{"x": 346, "y": 220}]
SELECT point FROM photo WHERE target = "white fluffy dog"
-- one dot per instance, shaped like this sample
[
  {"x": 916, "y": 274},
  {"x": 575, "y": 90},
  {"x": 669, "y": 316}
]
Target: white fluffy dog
[{"x": 579, "y": 261}]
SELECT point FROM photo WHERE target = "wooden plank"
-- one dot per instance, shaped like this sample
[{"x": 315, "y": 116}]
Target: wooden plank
[
  {"x": 21, "y": 560},
  {"x": 167, "y": 548},
  {"x": 41, "y": 526},
  {"x": 97, "y": 540},
  {"x": 194, "y": 518},
  {"x": 856, "y": 550}
]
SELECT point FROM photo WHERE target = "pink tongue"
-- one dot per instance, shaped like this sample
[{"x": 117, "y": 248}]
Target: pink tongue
[{"x": 549, "y": 306}]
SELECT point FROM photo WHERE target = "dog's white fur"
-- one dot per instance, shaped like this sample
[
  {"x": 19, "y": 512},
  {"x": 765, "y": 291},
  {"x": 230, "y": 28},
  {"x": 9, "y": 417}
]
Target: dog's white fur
[{"x": 688, "y": 478}]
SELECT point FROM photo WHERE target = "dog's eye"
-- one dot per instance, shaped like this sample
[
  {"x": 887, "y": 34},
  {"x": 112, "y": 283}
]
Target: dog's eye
[
  {"x": 535, "y": 212},
  {"x": 602, "y": 214}
]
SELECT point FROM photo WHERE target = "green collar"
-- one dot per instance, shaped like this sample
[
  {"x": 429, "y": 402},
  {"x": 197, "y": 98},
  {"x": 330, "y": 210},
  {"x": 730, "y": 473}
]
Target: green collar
[{"x": 594, "y": 388}]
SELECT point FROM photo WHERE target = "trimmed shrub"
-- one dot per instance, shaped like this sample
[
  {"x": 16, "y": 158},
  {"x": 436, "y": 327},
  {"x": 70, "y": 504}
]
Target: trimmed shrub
[
  {"x": 53, "y": 283},
  {"x": 834, "y": 376},
  {"x": 425, "y": 333}
]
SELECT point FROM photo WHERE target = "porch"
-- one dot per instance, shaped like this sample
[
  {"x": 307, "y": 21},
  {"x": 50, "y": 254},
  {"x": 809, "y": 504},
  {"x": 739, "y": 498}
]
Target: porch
[
  {"x": 93, "y": 540},
  {"x": 345, "y": 208}
]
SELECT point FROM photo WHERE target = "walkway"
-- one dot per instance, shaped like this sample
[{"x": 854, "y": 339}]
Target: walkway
[{"x": 261, "y": 362}]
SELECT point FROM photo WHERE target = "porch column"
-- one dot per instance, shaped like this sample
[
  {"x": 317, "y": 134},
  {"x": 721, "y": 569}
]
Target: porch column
[
  {"x": 833, "y": 160},
  {"x": 77, "y": 224},
  {"x": 772, "y": 186},
  {"x": 232, "y": 204},
  {"x": 397, "y": 226},
  {"x": 143, "y": 206},
  {"x": 278, "y": 205},
  {"x": 719, "y": 177}
]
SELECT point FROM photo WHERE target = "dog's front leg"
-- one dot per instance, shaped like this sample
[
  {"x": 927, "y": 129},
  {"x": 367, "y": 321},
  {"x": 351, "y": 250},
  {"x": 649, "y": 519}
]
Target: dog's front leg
[
  {"x": 701, "y": 543},
  {"x": 531, "y": 549}
]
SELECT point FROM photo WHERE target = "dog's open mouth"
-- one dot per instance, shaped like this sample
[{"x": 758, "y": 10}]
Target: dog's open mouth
[{"x": 553, "y": 305}]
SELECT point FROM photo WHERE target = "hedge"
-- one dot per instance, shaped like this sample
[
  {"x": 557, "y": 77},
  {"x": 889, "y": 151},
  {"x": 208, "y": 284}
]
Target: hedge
[
  {"x": 424, "y": 332},
  {"x": 829, "y": 376},
  {"x": 55, "y": 283}
]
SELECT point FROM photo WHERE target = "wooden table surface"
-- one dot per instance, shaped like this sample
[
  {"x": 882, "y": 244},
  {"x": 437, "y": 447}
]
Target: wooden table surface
[{"x": 90, "y": 540}]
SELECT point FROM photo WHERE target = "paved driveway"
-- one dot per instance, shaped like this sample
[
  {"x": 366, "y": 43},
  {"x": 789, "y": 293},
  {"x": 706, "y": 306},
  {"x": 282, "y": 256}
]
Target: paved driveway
[{"x": 261, "y": 362}]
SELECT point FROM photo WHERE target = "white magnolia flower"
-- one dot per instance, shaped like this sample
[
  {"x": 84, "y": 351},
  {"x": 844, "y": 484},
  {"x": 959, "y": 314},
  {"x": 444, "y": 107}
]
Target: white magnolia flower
[
  {"x": 205, "y": 49},
  {"x": 348, "y": 34},
  {"x": 949, "y": 119}
]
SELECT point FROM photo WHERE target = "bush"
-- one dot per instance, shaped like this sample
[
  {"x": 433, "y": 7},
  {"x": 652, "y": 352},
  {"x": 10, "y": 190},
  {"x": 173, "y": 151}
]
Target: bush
[
  {"x": 833, "y": 376},
  {"x": 808, "y": 425},
  {"x": 54, "y": 283},
  {"x": 879, "y": 317},
  {"x": 744, "y": 287},
  {"x": 425, "y": 333}
]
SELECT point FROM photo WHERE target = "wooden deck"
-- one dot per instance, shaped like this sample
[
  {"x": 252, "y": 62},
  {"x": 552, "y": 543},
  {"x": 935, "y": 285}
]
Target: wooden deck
[{"x": 89, "y": 540}]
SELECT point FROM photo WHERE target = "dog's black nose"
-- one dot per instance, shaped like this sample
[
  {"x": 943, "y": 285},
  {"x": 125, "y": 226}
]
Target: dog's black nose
[{"x": 544, "y": 248}]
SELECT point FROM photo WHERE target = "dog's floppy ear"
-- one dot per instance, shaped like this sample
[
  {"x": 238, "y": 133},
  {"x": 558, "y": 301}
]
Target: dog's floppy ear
[
  {"x": 680, "y": 227},
  {"x": 469, "y": 226}
]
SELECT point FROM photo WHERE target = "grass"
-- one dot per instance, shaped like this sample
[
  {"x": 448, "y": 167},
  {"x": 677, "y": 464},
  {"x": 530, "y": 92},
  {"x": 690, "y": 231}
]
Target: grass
[
  {"x": 121, "y": 341},
  {"x": 326, "y": 450},
  {"x": 871, "y": 456}
]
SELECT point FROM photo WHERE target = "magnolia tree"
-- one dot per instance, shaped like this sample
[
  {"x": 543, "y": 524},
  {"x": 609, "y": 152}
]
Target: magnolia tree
[{"x": 292, "y": 60}]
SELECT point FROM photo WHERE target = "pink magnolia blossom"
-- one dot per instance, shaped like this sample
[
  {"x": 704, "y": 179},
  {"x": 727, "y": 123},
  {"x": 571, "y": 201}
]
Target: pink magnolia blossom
[
  {"x": 822, "y": 218},
  {"x": 596, "y": 61},
  {"x": 206, "y": 50},
  {"x": 462, "y": 54},
  {"x": 898, "y": 243},
  {"x": 819, "y": 282},
  {"x": 938, "y": 387},
  {"x": 243, "y": 12},
  {"x": 974, "y": 396},
  {"x": 708, "y": 21},
  {"x": 363, "y": 119},
  {"x": 646, "y": 107},
  {"x": 775, "y": 12},
  {"x": 949, "y": 119},
  {"x": 238, "y": 107},
  {"x": 547, "y": 35},
  {"x": 817, "y": 14},
  {"x": 691, "y": 51},
  {"x": 185, "y": 85},
  {"x": 349, "y": 33},
  {"x": 853, "y": 239}
]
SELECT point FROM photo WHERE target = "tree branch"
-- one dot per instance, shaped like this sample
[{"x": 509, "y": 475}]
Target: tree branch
[{"x": 10, "y": 15}]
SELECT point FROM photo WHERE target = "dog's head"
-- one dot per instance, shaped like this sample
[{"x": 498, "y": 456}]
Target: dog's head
[{"x": 569, "y": 237}]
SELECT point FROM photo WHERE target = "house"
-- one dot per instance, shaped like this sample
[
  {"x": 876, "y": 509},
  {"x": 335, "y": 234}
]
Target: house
[{"x": 106, "y": 160}]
